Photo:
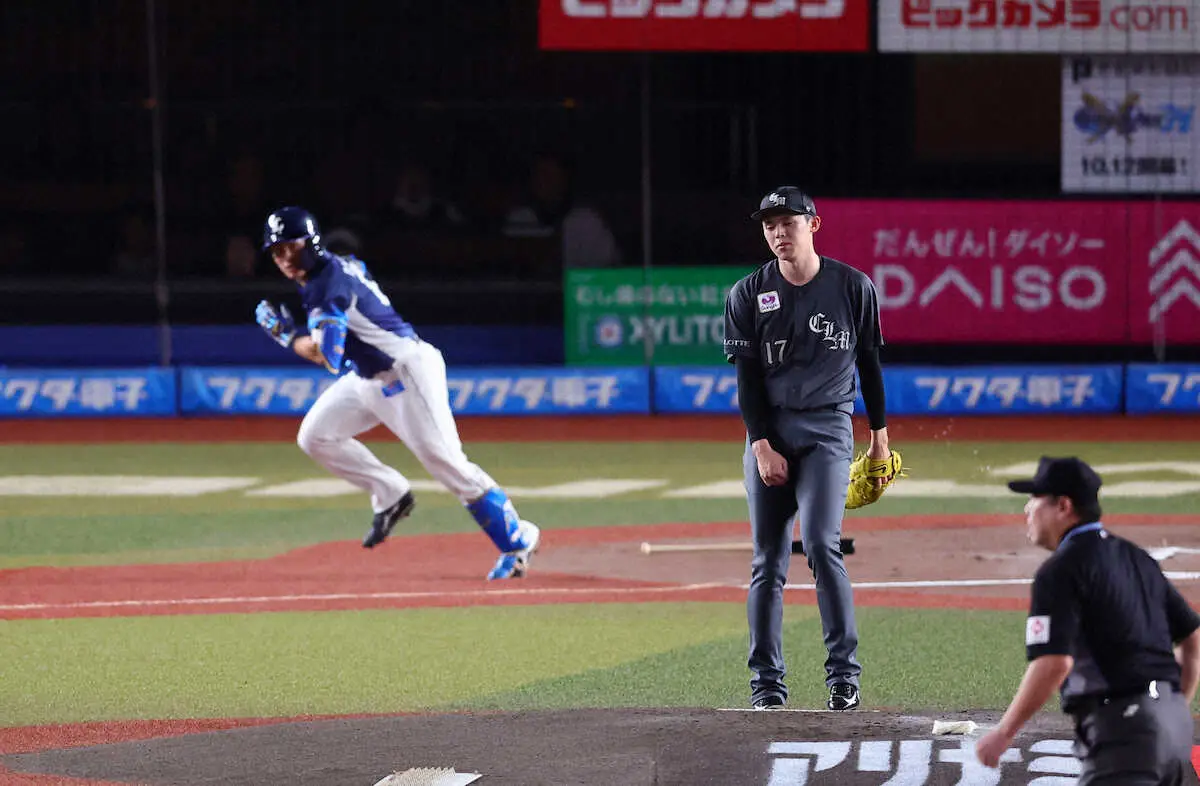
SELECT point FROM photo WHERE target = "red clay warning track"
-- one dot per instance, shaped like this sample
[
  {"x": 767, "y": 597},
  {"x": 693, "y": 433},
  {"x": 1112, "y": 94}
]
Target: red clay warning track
[{"x": 609, "y": 428}]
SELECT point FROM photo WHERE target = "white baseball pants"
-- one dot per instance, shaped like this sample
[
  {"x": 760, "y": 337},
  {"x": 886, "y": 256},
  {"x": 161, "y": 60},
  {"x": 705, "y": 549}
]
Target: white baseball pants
[{"x": 419, "y": 415}]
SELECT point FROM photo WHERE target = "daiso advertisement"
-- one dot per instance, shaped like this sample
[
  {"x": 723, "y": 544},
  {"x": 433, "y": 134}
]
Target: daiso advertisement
[{"x": 1024, "y": 272}]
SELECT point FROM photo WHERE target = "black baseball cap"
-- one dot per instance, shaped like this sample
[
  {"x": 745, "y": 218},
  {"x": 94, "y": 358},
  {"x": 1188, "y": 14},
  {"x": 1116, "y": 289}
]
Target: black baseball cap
[
  {"x": 785, "y": 199},
  {"x": 1062, "y": 477}
]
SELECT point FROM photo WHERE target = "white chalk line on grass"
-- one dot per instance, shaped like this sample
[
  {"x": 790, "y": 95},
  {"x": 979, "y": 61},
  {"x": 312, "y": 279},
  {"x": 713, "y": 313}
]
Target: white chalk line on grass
[
  {"x": 1173, "y": 575},
  {"x": 450, "y": 594},
  {"x": 527, "y": 593}
]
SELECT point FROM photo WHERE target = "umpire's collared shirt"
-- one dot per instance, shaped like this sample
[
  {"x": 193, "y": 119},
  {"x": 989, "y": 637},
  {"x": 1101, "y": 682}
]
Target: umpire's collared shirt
[{"x": 1105, "y": 602}]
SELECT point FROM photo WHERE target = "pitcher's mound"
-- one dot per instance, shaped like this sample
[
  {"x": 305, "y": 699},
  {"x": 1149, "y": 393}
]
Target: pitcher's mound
[{"x": 609, "y": 746}]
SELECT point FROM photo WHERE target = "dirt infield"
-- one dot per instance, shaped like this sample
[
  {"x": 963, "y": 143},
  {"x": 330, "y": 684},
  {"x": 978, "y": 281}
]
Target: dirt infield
[{"x": 925, "y": 561}]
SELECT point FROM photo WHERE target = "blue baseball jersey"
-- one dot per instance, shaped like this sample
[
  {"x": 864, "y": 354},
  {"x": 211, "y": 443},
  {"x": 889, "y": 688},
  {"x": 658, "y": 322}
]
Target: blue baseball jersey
[{"x": 353, "y": 314}]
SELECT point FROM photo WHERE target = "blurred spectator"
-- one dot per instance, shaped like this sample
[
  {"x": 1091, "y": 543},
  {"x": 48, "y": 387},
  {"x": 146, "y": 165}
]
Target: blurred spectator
[
  {"x": 241, "y": 258},
  {"x": 244, "y": 183},
  {"x": 343, "y": 242},
  {"x": 415, "y": 205},
  {"x": 349, "y": 183},
  {"x": 135, "y": 256},
  {"x": 237, "y": 219},
  {"x": 15, "y": 257},
  {"x": 551, "y": 208}
]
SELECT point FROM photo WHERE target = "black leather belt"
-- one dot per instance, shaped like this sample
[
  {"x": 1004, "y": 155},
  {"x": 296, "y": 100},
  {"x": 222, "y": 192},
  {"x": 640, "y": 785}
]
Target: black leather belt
[{"x": 1084, "y": 705}]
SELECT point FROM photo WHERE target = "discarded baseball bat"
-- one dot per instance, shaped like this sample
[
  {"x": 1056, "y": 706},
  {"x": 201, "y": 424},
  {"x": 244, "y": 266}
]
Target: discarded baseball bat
[{"x": 797, "y": 547}]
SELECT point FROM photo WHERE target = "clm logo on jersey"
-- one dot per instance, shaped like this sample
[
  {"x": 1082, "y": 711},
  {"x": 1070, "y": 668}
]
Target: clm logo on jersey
[
  {"x": 768, "y": 301},
  {"x": 827, "y": 330}
]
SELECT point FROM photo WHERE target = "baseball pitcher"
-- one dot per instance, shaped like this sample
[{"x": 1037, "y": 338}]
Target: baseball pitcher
[
  {"x": 386, "y": 374},
  {"x": 797, "y": 329}
]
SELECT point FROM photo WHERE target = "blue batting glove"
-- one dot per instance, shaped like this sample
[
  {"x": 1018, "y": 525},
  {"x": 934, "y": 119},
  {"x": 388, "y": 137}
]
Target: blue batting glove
[{"x": 277, "y": 324}]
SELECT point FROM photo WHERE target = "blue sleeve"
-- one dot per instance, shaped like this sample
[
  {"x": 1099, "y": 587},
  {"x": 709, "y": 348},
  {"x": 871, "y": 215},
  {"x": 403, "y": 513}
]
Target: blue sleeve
[
  {"x": 328, "y": 323},
  {"x": 329, "y": 331}
]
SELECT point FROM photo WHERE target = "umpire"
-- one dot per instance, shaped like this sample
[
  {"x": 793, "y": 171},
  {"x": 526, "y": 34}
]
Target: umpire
[
  {"x": 797, "y": 329},
  {"x": 1103, "y": 624}
]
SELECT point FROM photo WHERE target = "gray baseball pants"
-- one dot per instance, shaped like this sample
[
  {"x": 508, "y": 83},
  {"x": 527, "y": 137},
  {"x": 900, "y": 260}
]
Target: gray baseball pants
[
  {"x": 1138, "y": 741},
  {"x": 818, "y": 445}
]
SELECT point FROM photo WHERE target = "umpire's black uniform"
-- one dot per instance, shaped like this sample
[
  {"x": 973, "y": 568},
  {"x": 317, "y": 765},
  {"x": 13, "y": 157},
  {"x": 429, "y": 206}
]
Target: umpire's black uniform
[{"x": 1105, "y": 602}]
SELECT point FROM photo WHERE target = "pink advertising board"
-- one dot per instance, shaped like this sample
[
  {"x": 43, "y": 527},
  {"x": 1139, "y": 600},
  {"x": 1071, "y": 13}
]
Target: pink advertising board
[{"x": 1024, "y": 272}]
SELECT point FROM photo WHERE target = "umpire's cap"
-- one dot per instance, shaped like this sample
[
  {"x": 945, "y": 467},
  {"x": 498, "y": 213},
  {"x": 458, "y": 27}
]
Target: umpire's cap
[
  {"x": 1061, "y": 477},
  {"x": 785, "y": 199}
]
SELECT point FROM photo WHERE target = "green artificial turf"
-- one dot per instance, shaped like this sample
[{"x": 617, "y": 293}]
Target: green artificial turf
[
  {"x": 531, "y": 657},
  {"x": 39, "y": 530}
]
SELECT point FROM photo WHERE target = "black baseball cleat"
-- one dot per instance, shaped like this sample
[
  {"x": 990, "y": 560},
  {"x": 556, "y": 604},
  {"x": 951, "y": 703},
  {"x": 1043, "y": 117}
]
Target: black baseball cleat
[
  {"x": 842, "y": 696},
  {"x": 771, "y": 702},
  {"x": 385, "y": 520}
]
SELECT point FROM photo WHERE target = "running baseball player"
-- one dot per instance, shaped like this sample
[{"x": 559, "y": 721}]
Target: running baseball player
[
  {"x": 796, "y": 329},
  {"x": 388, "y": 375}
]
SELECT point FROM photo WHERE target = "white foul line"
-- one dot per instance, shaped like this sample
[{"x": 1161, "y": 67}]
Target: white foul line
[
  {"x": 922, "y": 584},
  {"x": 532, "y": 592},
  {"x": 108, "y": 604},
  {"x": 1173, "y": 575}
]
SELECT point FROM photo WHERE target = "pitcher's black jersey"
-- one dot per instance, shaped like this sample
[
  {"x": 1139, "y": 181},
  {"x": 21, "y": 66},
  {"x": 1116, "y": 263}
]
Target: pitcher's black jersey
[{"x": 806, "y": 337}]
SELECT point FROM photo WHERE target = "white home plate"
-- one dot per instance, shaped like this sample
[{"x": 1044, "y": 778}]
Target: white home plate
[
  {"x": 116, "y": 485},
  {"x": 430, "y": 776}
]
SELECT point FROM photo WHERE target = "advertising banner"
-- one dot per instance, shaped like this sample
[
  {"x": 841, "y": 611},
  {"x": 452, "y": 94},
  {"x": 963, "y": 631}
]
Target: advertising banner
[
  {"x": 96, "y": 392},
  {"x": 475, "y": 391},
  {"x": 1164, "y": 273},
  {"x": 1024, "y": 272},
  {"x": 1004, "y": 389},
  {"x": 1129, "y": 124},
  {"x": 695, "y": 389},
  {"x": 1162, "y": 388},
  {"x": 701, "y": 389},
  {"x": 987, "y": 272},
  {"x": 244, "y": 390},
  {"x": 613, "y": 316},
  {"x": 1063, "y": 26},
  {"x": 917, "y": 390},
  {"x": 704, "y": 25}
]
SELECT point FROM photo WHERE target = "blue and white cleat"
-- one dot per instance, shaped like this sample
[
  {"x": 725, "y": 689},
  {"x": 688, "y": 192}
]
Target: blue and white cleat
[{"x": 514, "y": 564}]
